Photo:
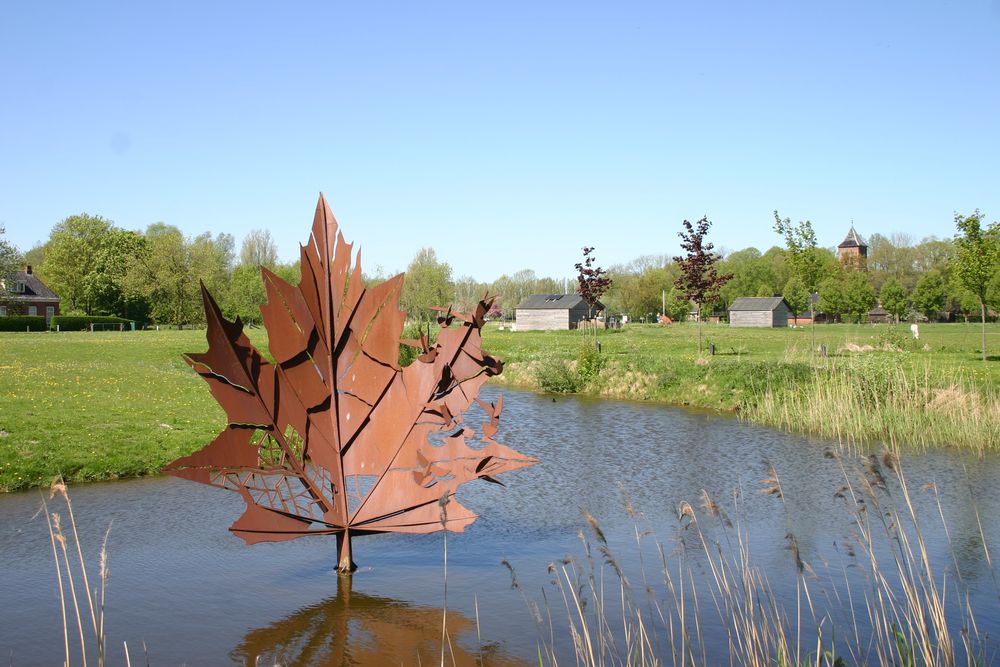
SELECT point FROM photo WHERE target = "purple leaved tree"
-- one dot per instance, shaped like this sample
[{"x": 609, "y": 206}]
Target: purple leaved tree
[
  {"x": 593, "y": 283},
  {"x": 699, "y": 281}
]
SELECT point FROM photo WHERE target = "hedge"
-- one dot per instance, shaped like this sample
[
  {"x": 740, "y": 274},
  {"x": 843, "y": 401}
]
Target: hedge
[
  {"x": 22, "y": 322},
  {"x": 83, "y": 322}
]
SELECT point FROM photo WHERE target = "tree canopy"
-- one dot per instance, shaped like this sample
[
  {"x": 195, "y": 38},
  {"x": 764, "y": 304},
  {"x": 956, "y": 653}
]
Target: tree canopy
[
  {"x": 10, "y": 258},
  {"x": 977, "y": 254},
  {"x": 428, "y": 283},
  {"x": 699, "y": 280}
]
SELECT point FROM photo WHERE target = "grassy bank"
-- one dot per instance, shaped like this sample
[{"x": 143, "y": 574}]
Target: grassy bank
[
  {"x": 99, "y": 406},
  {"x": 106, "y": 405},
  {"x": 876, "y": 384}
]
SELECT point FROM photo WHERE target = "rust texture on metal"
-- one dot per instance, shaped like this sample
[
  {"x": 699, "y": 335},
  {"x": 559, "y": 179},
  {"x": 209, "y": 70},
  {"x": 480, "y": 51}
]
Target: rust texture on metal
[{"x": 334, "y": 436}]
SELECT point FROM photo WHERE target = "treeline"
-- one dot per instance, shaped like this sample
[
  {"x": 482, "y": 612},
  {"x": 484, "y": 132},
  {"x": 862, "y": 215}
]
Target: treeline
[
  {"x": 155, "y": 276},
  {"x": 902, "y": 276}
]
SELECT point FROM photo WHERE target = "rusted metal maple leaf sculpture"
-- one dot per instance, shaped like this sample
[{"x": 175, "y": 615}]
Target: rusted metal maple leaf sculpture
[{"x": 335, "y": 437}]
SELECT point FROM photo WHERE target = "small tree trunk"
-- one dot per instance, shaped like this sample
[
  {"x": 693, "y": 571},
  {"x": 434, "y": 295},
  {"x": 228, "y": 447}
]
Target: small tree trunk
[
  {"x": 345, "y": 564},
  {"x": 699, "y": 329},
  {"x": 982, "y": 312},
  {"x": 812, "y": 323}
]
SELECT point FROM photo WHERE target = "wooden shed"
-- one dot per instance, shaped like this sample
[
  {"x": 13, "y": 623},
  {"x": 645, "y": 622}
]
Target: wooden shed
[
  {"x": 878, "y": 315},
  {"x": 759, "y": 311},
  {"x": 549, "y": 312}
]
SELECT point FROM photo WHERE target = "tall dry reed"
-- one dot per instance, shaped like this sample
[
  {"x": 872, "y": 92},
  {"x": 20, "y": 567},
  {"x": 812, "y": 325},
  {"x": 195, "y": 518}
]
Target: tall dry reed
[
  {"x": 877, "y": 400},
  {"x": 74, "y": 581},
  {"x": 708, "y": 602}
]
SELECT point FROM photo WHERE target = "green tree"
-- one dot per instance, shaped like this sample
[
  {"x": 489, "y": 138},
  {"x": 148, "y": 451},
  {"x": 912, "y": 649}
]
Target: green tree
[
  {"x": 106, "y": 283},
  {"x": 777, "y": 261},
  {"x": 977, "y": 254},
  {"x": 639, "y": 288},
  {"x": 894, "y": 299},
  {"x": 245, "y": 295},
  {"x": 859, "y": 294},
  {"x": 804, "y": 258},
  {"x": 428, "y": 283},
  {"x": 968, "y": 304},
  {"x": 752, "y": 276},
  {"x": 510, "y": 290},
  {"x": 212, "y": 261},
  {"x": 931, "y": 254},
  {"x": 36, "y": 258},
  {"x": 164, "y": 276},
  {"x": 677, "y": 307},
  {"x": 993, "y": 291},
  {"x": 468, "y": 292},
  {"x": 10, "y": 259},
  {"x": 930, "y": 295},
  {"x": 797, "y": 296},
  {"x": 71, "y": 259},
  {"x": 832, "y": 298},
  {"x": 891, "y": 258},
  {"x": 259, "y": 249}
]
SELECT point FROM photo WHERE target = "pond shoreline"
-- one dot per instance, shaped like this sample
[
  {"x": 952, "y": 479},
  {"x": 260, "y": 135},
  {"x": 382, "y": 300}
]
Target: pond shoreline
[
  {"x": 116, "y": 405},
  {"x": 855, "y": 400}
]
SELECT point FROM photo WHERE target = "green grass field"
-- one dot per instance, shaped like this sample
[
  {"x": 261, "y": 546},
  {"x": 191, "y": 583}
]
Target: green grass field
[
  {"x": 106, "y": 405},
  {"x": 670, "y": 353}
]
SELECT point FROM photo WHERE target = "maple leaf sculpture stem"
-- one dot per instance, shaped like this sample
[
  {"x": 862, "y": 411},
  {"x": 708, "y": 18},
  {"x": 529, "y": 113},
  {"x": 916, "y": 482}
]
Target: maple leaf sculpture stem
[{"x": 333, "y": 436}]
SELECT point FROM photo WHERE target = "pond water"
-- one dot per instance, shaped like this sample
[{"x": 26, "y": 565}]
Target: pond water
[{"x": 191, "y": 593}]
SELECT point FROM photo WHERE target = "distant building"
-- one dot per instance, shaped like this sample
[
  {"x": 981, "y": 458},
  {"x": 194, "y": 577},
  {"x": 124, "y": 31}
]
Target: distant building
[
  {"x": 812, "y": 309},
  {"x": 550, "y": 312},
  {"x": 25, "y": 294},
  {"x": 878, "y": 315},
  {"x": 853, "y": 250},
  {"x": 759, "y": 311}
]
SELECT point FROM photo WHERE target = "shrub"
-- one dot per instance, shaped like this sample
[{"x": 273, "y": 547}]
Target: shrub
[
  {"x": 83, "y": 322},
  {"x": 589, "y": 362},
  {"x": 892, "y": 339},
  {"x": 22, "y": 323},
  {"x": 555, "y": 376}
]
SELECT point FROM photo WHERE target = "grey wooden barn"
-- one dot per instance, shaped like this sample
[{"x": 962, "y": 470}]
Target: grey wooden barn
[
  {"x": 548, "y": 312},
  {"x": 759, "y": 311}
]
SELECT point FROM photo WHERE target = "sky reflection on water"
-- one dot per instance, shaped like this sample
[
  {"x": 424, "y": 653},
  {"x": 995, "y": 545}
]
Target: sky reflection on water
[{"x": 196, "y": 595}]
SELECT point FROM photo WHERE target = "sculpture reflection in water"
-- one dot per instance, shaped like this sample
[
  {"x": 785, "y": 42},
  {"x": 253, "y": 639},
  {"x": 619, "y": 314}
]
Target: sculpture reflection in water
[
  {"x": 360, "y": 629},
  {"x": 334, "y": 437}
]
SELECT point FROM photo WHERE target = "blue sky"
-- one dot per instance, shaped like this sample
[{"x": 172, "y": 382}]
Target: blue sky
[{"x": 504, "y": 135}]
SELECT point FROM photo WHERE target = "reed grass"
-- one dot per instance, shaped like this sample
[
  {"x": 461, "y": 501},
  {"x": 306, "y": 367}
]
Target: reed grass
[
  {"x": 874, "y": 399},
  {"x": 74, "y": 581},
  {"x": 661, "y": 613},
  {"x": 708, "y": 578}
]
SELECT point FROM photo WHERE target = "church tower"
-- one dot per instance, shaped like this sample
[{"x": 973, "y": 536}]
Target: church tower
[{"x": 853, "y": 250}]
